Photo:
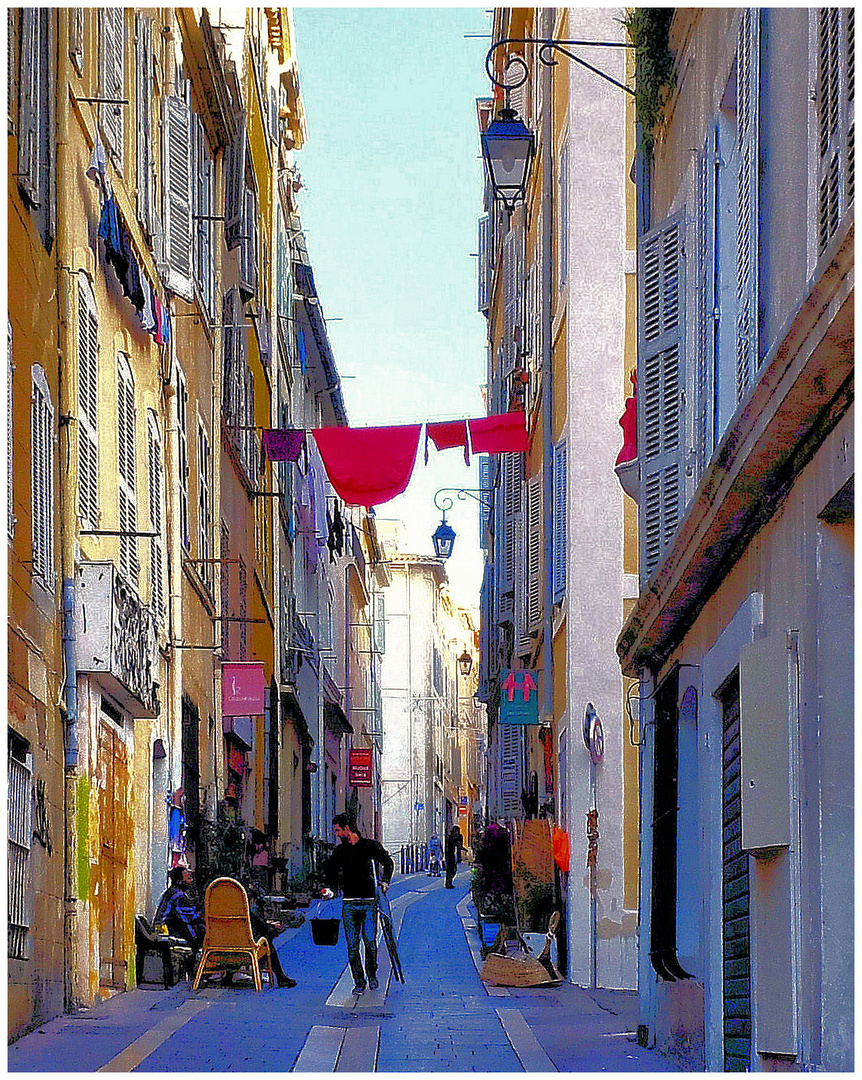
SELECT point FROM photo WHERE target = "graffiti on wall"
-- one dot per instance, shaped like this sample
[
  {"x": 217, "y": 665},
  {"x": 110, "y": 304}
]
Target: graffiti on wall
[{"x": 41, "y": 818}]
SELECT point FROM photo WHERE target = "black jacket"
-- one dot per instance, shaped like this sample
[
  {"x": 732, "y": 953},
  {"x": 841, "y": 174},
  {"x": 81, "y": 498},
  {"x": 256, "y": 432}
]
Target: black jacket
[{"x": 352, "y": 863}]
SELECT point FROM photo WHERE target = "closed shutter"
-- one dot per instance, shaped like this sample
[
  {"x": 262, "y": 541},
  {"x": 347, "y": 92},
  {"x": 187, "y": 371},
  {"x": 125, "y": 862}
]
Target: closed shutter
[
  {"x": 706, "y": 304},
  {"x": 42, "y": 478},
  {"x": 155, "y": 485},
  {"x": 234, "y": 198},
  {"x": 510, "y": 310},
  {"x": 247, "y": 436},
  {"x": 513, "y": 471},
  {"x": 143, "y": 119},
  {"x": 204, "y": 467},
  {"x": 28, "y": 104},
  {"x": 748, "y": 199},
  {"x": 76, "y": 38},
  {"x": 203, "y": 180},
  {"x": 485, "y": 497},
  {"x": 12, "y": 75},
  {"x": 127, "y": 445},
  {"x": 560, "y": 496},
  {"x": 533, "y": 568},
  {"x": 183, "y": 455},
  {"x": 836, "y": 128},
  {"x": 10, "y": 442},
  {"x": 483, "y": 274},
  {"x": 518, "y": 95},
  {"x": 248, "y": 249},
  {"x": 177, "y": 202},
  {"x": 229, "y": 355},
  {"x": 88, "y": 405},
  {"x": 113, "y": 81},
  {"x": 660, "y": 384},
  {"x": 510, "y": 738}
]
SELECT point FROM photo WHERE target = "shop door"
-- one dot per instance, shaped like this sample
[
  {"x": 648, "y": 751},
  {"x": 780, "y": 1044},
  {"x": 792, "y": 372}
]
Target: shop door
[
  {"x": 115, "y": 835},
  {"x": 736, "y": 934}
]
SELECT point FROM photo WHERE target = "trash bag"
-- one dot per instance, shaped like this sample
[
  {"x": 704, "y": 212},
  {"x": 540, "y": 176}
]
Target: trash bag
[{"x": 324, "y": 924}]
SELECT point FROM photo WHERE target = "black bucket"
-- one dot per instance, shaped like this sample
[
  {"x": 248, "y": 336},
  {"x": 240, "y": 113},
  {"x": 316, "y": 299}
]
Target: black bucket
[{"x": 324, "y": 931}]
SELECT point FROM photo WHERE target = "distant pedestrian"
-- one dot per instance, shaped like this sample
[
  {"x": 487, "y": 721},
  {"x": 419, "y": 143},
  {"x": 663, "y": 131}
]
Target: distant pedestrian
[
  {"x": 352, "y": 862},
  {"x": 435, "y": 855},
  {"x": 177, "y": 910},
  {"x": 454, "y": 846}
]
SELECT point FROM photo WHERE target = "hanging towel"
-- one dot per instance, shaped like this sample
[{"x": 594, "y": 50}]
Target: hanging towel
[
  {"x": 163, "y": 327},
  {"x": 368, "y": 466},
  {"x": 283, "y": 444},
  {"x": 110, "y": 230},
  {"x": 97, "y": 170},
  {"x": 148, "y": 312},
  {"x": 447, "y": 434},
  {"x": 131, "y": 279},
  {"x": 504, "y": 433}
]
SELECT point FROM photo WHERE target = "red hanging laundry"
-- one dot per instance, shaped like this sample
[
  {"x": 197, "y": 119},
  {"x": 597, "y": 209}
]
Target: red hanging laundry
[
  {"x": 500, "y": 434},
  {"x": 445, "y": 435},
  {"x": 368, "y": 466},
  {"x": 283, "y": 444}
]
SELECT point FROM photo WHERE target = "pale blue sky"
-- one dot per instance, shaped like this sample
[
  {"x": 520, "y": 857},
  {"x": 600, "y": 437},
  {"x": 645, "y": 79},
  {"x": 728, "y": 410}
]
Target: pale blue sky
[{"x": 392, "y": 190}]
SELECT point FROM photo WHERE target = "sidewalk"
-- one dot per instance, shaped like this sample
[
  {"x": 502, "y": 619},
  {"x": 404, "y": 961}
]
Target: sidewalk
[{"x": 443, "y": 1019}]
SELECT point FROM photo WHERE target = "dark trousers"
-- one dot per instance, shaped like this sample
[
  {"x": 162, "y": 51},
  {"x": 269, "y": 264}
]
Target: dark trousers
[
  {"x": 360, "y": 922},
  {"x": 451, "y": 867}
]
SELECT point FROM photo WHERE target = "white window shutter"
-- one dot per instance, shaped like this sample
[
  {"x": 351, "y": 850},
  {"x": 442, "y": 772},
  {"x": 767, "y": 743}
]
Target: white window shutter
[
  {"x": 748, "y": 193},
  {"x": 560, "y": 531},
  {"x": 204, "y": 466},
  {"x": 88, "y": 405},
  {"x": 143, "y": 119},
  {"x": 229, "y": 359},
  {"x": 183, "y": 455},
  {"x": 533, "y": 569},
  {"x": 835, "y": 119},
  {"x": 486, "y": 490},
  {"x": 113, "y": 79},
  {"x": 127, "y": 473},
  {"x": 510, "y": 739},
  {"x": 76, "y": 38},
  {"x": 234, "y": 199},
  {"x": 660, "y": 386},
  {"x": 705, "y": 302},
  {"x": 177, "y": 200},
  {"x": 28, "y": 104},
  {"x": 248, "y": 248},
  {"x": 483, "y": 275},
  {"x": 155, "y": 485},
  {"x": 42, "y": 478},
  {"x": 513, "y": 470}
]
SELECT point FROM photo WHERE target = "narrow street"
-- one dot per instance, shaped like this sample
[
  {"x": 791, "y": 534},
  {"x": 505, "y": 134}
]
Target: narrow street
[{"x": 443, "y": 1019}]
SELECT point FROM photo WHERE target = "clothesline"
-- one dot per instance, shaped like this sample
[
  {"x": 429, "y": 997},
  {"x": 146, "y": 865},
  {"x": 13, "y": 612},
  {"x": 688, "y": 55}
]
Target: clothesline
[{"x": 369, "y": 466}]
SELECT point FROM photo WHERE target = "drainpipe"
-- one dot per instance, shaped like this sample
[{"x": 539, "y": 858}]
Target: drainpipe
[{"x": 175, "y": 610}]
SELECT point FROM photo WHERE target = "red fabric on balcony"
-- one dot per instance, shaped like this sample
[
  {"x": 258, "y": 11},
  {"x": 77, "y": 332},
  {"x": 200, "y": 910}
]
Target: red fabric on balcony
[{"x": 368, "y": 466}]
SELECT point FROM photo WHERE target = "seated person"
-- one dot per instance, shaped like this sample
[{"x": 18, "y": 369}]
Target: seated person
[
  {"x": 261, "y": 928},
  {"x": 177, "y": 909}
]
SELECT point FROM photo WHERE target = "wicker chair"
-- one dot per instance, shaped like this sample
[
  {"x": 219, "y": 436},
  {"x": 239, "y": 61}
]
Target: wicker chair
[{"x": 229, "y": 943}]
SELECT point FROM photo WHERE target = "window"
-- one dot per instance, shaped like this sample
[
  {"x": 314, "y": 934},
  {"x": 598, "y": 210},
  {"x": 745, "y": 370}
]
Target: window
[
  {"x": 113, "y": 83},
  {"x": 155, "y": 485},
  {"x": 127, "y": 445},
  {"x": 204, "y": 210},
  {"x": 660, "y": 388},
  {"x": 248, "y": 247},
  {"x": 177, "y": 197},
  {"x": 204, "y": 505},
  {"x": 36, "y": 135},
  {"x": 20, "y": 821},
  {"x": 88, "y": 405},
  {"x": 835, "y": 125},
  {"x": 42, "y": 478},
  {"x": 10, "y": 442},
  {"x": 183, "y": 448},
  {"x": 143, "y": 120},
  {"x": 234, "y": 197}
]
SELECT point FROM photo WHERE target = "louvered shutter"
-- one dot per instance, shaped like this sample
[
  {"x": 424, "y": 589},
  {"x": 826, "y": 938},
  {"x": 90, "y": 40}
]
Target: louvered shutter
[
  {"x": 533, "y": 568},
  {"x": 510, "y": 769},
  {"x": 10, "y": 442},
  {"x": 560, "y": 530},
  {"x": 88, "y": 405},
  {"x": 486, "y": 494},
  {"x": 76, "y": 38},
  {"x": 563, "y": 215},
  {"x": 28, "y": 104},
  {"x": 143, "y": 119},
  {"x": 706, "y": 304},
  {"x": 127, "y": 446},
  {"x": 229, "y": 358},
  {"x": 248, "y": 248},
  {"x": 113, "y": 81},
  {"x": 42, "y": 478},
  {"x": 748, "y": 199},
  {"x": 483, "y": 275},
  {"x": 518, "y": 95},
  {"x": 836, "y": 129},
  {"x": 234, "y": 199},
  {"x": 183, "y": 455},
  {"x": 204, "y": 505},
  {"x": 513, "y": 469},
  {"x": 155, "y": 483},
  {"x": 177, "y": 200},
  {"x": 510, "y": 300},
  {"x": 660, "y": 387}
]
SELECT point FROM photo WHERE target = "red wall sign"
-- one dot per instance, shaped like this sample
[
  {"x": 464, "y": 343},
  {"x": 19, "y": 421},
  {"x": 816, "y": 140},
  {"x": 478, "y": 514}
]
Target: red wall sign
[
  {"x": 242, "y": 689},
  {"x": 359, "y": 768}
]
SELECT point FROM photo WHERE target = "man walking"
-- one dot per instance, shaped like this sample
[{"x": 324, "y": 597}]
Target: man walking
[
  {"x": 454, "y": 845},
  {"x": 353, "y": 861}
]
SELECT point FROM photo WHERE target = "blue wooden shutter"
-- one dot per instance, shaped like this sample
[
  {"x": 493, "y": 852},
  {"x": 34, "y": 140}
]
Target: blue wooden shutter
[
  {"x": 560, "y": 490},
  {"x": 660, "y": 387},
  {"x": 748, "y": 199}
]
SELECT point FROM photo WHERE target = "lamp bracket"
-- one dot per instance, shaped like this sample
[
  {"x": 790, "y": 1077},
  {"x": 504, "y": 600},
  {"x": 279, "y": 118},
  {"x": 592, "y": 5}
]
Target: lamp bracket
[
  {"x": 484, "y": 498},
  {"x": 548, "y": 46}
]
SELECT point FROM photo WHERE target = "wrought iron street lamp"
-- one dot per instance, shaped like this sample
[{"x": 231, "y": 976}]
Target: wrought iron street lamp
[
  {"x": 465, "y": 663},
  {"x": 508, "y": 147},
  {"x": 444, "y": 535}
]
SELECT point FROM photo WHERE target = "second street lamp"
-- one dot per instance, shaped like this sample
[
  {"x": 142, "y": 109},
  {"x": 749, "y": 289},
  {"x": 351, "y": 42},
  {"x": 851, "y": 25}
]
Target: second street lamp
[{"x": 508, "y": 147}]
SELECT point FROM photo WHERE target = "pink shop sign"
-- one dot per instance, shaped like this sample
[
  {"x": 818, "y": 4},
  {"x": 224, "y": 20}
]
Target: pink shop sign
[{"x": 242, "y": 689}]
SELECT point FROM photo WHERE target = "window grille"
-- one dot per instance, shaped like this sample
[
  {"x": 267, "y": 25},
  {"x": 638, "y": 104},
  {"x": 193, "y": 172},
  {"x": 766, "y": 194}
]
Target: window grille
[{"x": 20, "y": 821}]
